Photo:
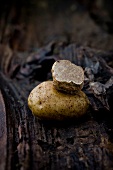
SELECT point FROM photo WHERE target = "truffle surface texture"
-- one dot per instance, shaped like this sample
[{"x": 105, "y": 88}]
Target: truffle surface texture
[{"x": 67, "y": 76}]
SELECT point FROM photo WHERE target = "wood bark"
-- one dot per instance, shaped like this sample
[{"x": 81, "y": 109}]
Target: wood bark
[
  {"x": 25, "y": 61},
  {"x": 29, "y": 143}
]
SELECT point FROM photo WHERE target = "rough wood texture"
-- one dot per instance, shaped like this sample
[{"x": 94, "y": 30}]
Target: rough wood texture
[
  {"x": 37, "y": 145},
  {"x": 25, "y": 61},
  {"x": 3, "y": 134},
  {"x": 34, "y": 144}
]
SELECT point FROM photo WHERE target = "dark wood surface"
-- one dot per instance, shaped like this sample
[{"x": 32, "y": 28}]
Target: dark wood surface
[
  {"x": 28, "y": 49},
  {"x": 3, "y": 133},
  {"x": 29, "y": 143}
]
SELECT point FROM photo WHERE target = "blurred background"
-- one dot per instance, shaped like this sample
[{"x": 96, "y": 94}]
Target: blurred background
[{"x": 29, "y": 24}]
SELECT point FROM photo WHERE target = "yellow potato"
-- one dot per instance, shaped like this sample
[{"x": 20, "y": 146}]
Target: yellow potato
[{"x": 48, "y": 103}]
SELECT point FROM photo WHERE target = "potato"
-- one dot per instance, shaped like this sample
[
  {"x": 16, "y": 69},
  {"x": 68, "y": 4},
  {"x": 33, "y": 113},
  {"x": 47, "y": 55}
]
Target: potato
[{"x": 48, "y": 103}]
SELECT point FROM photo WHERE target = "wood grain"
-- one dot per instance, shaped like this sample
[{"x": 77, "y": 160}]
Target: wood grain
[{"x": 3, "y": 134}]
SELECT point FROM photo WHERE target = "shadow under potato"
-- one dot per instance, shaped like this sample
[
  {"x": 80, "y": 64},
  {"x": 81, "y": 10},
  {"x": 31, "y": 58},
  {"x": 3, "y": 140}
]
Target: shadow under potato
[{"x": 66, "y": 122}]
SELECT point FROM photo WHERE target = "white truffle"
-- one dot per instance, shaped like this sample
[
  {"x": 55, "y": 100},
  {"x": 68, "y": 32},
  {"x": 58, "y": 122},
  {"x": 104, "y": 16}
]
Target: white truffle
[
  {"x": 48, "y": 103},
  {"x": 67, "y": 76}
]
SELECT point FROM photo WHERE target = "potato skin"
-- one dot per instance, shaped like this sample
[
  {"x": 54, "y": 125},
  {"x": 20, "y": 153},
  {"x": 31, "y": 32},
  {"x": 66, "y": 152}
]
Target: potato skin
[{"x": 48, "y": 103}]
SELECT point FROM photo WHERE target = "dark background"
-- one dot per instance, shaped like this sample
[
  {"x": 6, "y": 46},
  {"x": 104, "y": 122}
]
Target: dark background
[{"x": 28, "y": 24}]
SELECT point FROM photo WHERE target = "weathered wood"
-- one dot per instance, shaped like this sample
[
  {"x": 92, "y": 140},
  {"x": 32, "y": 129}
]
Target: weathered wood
[
  {"x": 34, "y": 144},
  {"x": 27, "y": 142},
  {"x": 3, "y": 134},
  {"x": 18, "y": 135}
]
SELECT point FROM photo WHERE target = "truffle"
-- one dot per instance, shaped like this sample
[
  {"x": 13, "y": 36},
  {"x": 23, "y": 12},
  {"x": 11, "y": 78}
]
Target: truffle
[{"x": 67, "y": 76}]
